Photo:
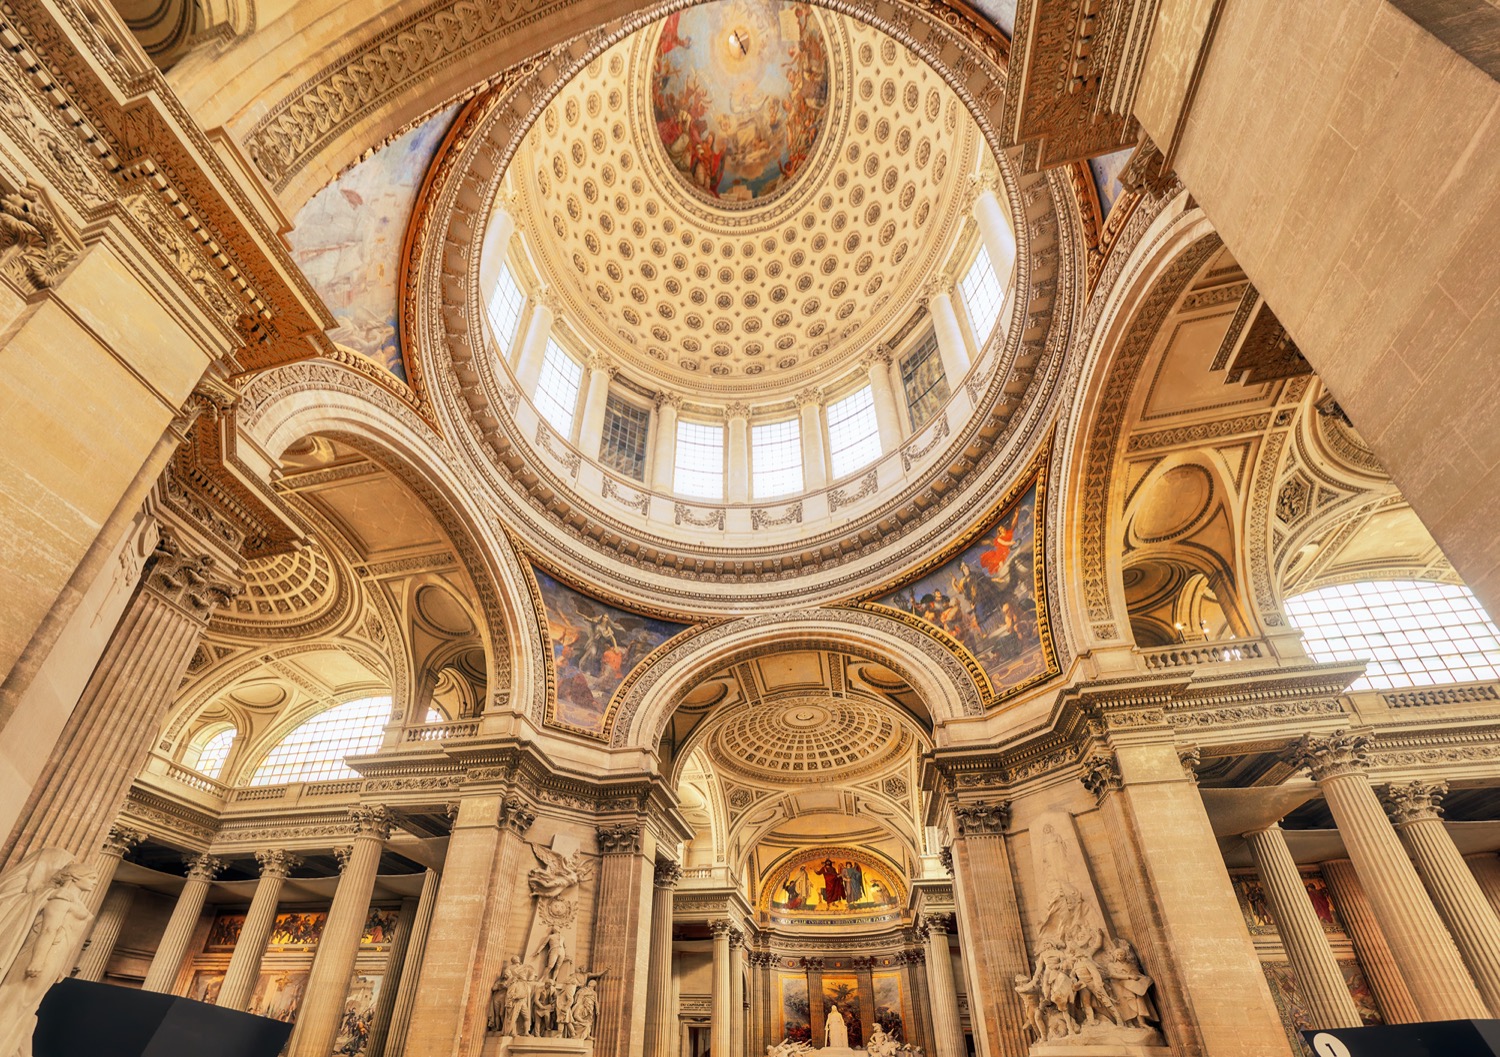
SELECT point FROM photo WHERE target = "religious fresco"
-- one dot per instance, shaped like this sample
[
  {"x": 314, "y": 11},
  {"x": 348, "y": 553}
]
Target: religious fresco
[
  {"x": 300, "y": 929},
  {"x": 1105, "y": 171},
  {"x": 278, "y": 994},
  {"x": 843, "y": 992},
  {"x": 833, "y": 886},
  {"x": 991, "y": 598},
  {"x": 594, "y": 647},
  {"x": 1294, "y": 1014},
  {"x": 739, "y": 91},
  {"x": 347, "y": 241},
  {"x": 353, "y": 1038},
  {"x": 1257, "y": 910},
  {"x": 794, "y": 1016},
  {"x": 890, "y": 1013}
]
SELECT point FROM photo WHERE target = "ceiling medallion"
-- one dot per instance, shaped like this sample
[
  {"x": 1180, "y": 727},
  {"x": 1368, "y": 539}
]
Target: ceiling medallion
[{"x": 739, "y": 93}]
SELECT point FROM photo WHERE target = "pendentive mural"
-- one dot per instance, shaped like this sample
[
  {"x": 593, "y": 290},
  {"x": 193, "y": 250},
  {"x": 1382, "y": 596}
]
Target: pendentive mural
[
  {"x": 1105, "y": 171},
  {"x": 594, "y": 647},
  {"x": 739, "y": 91},
  {"x": 833, "y": 886},
  {"x": 991, "y": 596}
]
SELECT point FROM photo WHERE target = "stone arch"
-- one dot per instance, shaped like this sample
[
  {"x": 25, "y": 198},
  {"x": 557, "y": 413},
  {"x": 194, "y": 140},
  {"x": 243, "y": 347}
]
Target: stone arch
[{"x": 747, "y": 831}]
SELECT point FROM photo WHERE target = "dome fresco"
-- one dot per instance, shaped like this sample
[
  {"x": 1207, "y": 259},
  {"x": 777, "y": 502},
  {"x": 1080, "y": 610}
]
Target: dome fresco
[{"x": 739, "y": 93}]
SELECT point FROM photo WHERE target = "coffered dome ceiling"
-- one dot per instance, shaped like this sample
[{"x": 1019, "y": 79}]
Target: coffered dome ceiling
[
  {"x": 810, "y": 739},
  {"x": 743, "y": 198}
]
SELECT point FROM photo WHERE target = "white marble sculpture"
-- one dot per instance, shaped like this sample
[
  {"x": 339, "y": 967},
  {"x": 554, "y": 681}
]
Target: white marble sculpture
[
  {"x": 835, "y": 1031},
  {"x": 557, "y": 872},
  {"x": 788, "y": 1048},
  {"x": 44, "y": 904}
]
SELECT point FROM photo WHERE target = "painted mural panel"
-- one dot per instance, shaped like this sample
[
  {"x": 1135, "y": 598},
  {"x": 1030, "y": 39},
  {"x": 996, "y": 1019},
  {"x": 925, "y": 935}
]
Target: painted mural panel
[
  {"x": 347, "y": 241},
  {"x": 1105, "y": 170},
  {"x": 890, "y": 1011},
  {"x": 794, "y": 1014},
  {"x": 1257, "y": 910},
  {"x": 739, "y": 91},
  {"x": 990, "y": 598},
  {"x": 206, "y": 985},
  {"x": 1289, "y": 1004},
  {"x": 297, "y": 930},
  {"x": 834, "y": 886},
  {"x": 594, "y": 647},
  {"x": 842, "y": 993},
  {"x": 279, "y": 993},
  {"x": 359, "y": 1013}
]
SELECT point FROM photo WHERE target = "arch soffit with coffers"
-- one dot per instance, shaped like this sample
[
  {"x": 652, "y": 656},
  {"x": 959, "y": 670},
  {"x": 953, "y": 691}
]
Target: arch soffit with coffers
[
  {"x": 288, "y": 403},
  {"x": 747, "y": 834}
]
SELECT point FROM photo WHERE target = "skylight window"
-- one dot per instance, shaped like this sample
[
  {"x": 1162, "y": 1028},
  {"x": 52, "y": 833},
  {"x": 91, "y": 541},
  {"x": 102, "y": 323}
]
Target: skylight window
[
  {"x": 623, "y": 446},
  {"x": 315, "y": 750},
  {"x": 699, "y": 471},
  {"x": 557, "y": 388},
  {"x": 923, "y": 382},
  {"x": 982, "y": 297},
  {"x": 853, "y": 432},
  {"x": 776, "y": 453},
  {"x": 506, "y": 303},
  {"x": 1412, "y": 633},
  {"x": 214, "y": 753}
]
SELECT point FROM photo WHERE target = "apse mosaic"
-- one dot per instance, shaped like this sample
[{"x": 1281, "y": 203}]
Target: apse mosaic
[
  {"x": 834, "y": 886},
  {"x": 739, "y": 91},
  {"x": 594, "y": 647},
  {"x": 992, "y": 599},
  {"x": 347, "y": 241}
]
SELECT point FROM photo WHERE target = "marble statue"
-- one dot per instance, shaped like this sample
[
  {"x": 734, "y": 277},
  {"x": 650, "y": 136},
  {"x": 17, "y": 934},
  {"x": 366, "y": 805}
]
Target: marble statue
[
  {"x": 554, "y": 951},
  {"x": 835, "y": 1031},
  {"x": 1130, "y": 986},
  {"x": 516, "y": 983},
  {"x": 44, "y": 897},
  {"x": 789, "y": 1048},
  {"x": 880, "y": 1044},
  {"x": 557, "y": 872}
]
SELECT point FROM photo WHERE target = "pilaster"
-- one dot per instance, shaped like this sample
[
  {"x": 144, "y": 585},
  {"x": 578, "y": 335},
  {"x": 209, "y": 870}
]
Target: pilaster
[{"x": 622, "y": 936}]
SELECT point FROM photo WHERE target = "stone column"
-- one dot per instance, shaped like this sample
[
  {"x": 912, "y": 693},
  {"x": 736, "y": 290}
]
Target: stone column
[
  {"x": 167, "y": 962},
  {"x": 1416, "y": 808},
  {"x": 865, "y": 982},
  {"x": 1319, "y": 981},
  {"x": 719, "y": 1011},
  {"x": 1486, "y": 869},
  {"x": 492, "y": 258},
  {"x": 996, "y": 234},
  {"x": 534, "y": 341},
  {"x": 950, "y": 337},
  {"x": 107, "y": 925},
  {"x": 738, "y": 480},
  {"x": 812, "y": 431},
  {"x": 989, "y": 919},
  {"x": 1396, "y": 1005},
  {"x": 736, "y": 994},
  {"x": 814, "y": 967},
  {"x": 1430, "y": 963},
  {"x": 918, "y": 1000},
  {"x": 877, "y": 365},
  {"x": 664, "y": 455},
  {"x": 395, "y": 970},
  {"x": 110, "y": 732},
  {"x": 394, "y": 1042},
  {"x": 328, "y": 981},
  {"x": 661, "y": 1011},
  {"x": 260, "y": 920},
  {"x": 590, "y": 423},
  {"x": 947, "y": 1028},
  {"x": 760, "y": 1003},
  {"x": 622, "y": 937},
  {"x": 117, "y": 844}
]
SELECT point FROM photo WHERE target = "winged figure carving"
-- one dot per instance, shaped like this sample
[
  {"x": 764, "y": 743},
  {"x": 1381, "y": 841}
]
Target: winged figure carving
[{"x": 557, "y": 872}]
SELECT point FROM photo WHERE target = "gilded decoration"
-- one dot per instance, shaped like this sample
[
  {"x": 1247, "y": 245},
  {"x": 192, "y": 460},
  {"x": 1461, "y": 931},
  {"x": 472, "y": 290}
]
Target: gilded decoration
[{"x": 833, "y": 886}]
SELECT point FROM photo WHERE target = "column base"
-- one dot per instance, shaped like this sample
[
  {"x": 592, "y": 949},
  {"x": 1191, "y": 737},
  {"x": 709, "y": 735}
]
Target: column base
[{"x": 523, "y": 1046}]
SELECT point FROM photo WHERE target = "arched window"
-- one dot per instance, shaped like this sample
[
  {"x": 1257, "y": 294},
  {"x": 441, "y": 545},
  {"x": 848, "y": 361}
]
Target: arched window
[
  {"x": 315, "y": 750},
  {"x": 1412, "y": 633},
  {"x": 213, "y": 753},
  {"x": 982, "y": 296},
  {"x": 505, "y": 308}
]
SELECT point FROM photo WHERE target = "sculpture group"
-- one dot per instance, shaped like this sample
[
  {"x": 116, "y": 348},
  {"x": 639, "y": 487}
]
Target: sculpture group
[
  {"x": 553, "y": 998},
  {"x": 44, "y": 903}
]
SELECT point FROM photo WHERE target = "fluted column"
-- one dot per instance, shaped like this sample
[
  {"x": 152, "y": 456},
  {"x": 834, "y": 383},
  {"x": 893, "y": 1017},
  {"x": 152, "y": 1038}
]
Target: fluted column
[
  {"x": 865, "y": 983},
  {"x": 814, "y": 968},
  {"x": 989, "y": 920},
  {"x": 739, "y": 453},
  {"x": 950, "y": 336},
  {"x": 260, "y": 920},
  {"x": 1319, "y": 981},
  {"x": 388, "y": 1037},
  {"x": 760, "y": 1003},
  {"x": 947, "y": 1029},
  {"x": 107, "y": 924},
  {"x": 622, "y": 936},
  {"x": 810, "y": 428},
  {"x": 534, "y": 341},
  {"x": 719, "y": 1016},
  {"x": 117, "y": 844},
  {"x": 1416, "y": 809},
  {"x": 595, "y": 397},
  {"x": 887, "y": 413},
  {"x": 664, "y": 456},
  {"x": 1430, "y": 963},
  {"x": 919, "y": 1026},
  {"x": 328, "y": 981},
  {"x": 1486, "y": 869},
  {"x": 110, "y": 732},
  {"x": 996, "y": 234},
  {"x": 736, "y": 994},
  {"x": 492, "y": 258},
  {"x": 94, "y": 953},
  {"x": 1396, "y": 1005},
  {"x": 167, "y": 962},
  {"x": 661, "y": 1011}
]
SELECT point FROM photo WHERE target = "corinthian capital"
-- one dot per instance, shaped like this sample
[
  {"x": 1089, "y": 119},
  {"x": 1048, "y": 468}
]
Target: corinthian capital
[
  {"x": 1328, "y": 757},
  {"x": 277, "y": 862},
  {"x": 120, "y": 839},
  {"x": 1101, "y": 774},
  {"x": 668, "y": 873},
  {"x": 1415, "y": 801},
  {"x": 982, "y": 819},
  {"x": 371, "y": 820},
  {"x": 190, "y": 581},
  {"x": 203, "y": 867},
  {"x": 623, "y": 839}
]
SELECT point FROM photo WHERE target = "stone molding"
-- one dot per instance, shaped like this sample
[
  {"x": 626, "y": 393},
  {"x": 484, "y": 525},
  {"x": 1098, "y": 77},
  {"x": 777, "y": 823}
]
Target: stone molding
[{"x": 1416, "y": 801}]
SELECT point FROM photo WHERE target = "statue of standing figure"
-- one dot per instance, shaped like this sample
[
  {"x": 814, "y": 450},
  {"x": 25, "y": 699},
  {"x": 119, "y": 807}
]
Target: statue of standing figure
[{"x": 44, "y": 898}]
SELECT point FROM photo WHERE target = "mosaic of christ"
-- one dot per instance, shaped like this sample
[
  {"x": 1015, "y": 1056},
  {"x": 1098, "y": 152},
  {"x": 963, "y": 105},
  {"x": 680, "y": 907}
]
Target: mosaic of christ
[
  {"x": 840, "y": 882},
  {"x": 739, "y": 90}
]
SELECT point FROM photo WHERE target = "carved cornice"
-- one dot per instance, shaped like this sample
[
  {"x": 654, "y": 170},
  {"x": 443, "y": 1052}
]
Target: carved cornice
[
  {"x": 1340, "y": 753},
  {"x": 1416, "y": 801}
]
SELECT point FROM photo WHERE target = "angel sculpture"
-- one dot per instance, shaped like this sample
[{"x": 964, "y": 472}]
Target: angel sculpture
[{"x": 557, "y": 872}]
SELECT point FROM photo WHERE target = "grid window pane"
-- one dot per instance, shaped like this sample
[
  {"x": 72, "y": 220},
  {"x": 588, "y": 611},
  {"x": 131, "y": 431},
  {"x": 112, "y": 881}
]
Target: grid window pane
[
  {"x": 1419, "y": 634},
  {"x": 505, "y": 309},
  {"x": 557, "y": 388},
  {"x": 214, "y": 752},
  {"x": 699, "y": 470},
  {"x": 982, "y": 297},
  {"x": 626, "y": 428},
  {"x": 853, "y": 432},
  {"x": 923, "y": 381},
  {"x": 315, "y": 751},
  {"x": 776, "y": 456}
]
